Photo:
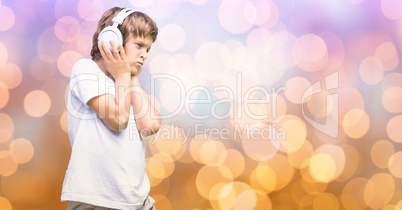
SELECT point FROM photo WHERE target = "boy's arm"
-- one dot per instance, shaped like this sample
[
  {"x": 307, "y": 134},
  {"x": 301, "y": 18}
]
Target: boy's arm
[
  {"x": 115, "y": 111},
  {"x": 146, "y": 115}
]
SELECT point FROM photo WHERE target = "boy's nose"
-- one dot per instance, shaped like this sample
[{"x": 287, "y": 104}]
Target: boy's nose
[{"x": 143, "y": 55}]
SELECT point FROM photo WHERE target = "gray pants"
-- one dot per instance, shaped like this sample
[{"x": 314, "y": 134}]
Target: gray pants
[{"x": 148, "y": 205}]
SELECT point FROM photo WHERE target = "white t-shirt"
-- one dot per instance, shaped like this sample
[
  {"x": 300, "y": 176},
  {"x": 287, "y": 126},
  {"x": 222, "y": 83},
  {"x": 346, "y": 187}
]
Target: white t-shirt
[{"x": 106, "y": 168}]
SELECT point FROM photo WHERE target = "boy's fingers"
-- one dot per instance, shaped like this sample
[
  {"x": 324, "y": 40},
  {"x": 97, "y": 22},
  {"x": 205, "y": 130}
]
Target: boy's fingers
[
  {"x": 106, "y": 52},
  {"x": 122, "y": 52},
  {"x": 102, "y": 51},
  {"x": 115, "y": 52}
]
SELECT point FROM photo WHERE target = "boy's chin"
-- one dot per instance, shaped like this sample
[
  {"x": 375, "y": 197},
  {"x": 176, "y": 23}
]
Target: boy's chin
[{"x": 135, "y": 71}]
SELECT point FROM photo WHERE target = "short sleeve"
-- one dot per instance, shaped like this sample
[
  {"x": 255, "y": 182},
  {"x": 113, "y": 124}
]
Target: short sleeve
[{"x": 88, "y": 81}]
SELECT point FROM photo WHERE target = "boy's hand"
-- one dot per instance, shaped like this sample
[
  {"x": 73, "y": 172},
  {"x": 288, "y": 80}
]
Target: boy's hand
[{"x": 116, "y": 62}]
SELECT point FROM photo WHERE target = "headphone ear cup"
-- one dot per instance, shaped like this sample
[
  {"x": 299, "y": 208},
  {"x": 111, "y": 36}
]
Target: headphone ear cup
[{"x": 110, "y": 33}]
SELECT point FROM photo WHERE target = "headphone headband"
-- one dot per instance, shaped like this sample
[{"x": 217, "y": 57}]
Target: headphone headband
[
  {"x": 123, "y": 14},
  {"x": 112, "y": 33}
]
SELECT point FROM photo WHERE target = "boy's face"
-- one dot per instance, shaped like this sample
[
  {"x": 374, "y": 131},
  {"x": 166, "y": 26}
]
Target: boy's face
[{"x": 137, "y": 49}]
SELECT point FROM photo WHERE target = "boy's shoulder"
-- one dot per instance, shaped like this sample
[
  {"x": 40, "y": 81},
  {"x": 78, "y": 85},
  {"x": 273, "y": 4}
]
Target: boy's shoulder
[
  {"x": 83, "y": 66},
  {"x": 84, "y": 62}
]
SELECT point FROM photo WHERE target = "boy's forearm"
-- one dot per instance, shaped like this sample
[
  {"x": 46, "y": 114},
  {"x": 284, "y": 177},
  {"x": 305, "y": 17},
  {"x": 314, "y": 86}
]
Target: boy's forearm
[
  {"x": 114, "y": 110},
  {"x": 123, "y": 100},
  {"x": 147, "y": 116}
]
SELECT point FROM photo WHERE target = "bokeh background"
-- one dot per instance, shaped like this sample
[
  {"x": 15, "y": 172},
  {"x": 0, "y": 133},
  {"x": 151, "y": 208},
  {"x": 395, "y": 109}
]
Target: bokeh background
[{"x": 209, "y": 58}]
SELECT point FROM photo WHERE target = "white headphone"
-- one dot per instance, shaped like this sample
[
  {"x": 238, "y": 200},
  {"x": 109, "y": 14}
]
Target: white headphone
[{"x": 112, "y": 33}]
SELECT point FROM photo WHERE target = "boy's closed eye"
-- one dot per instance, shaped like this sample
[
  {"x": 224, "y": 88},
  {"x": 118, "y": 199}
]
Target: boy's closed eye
[{"x": 141, "y": 45}]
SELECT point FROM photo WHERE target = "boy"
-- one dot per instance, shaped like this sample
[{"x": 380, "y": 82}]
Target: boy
[{"x": 107, "y": 113}]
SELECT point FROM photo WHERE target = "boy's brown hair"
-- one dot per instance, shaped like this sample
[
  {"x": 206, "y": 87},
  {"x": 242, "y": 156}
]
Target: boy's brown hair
[{"x": 137, "y": 24}]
